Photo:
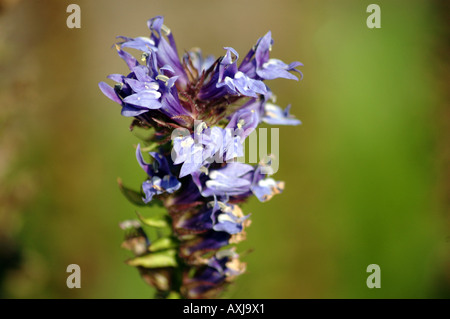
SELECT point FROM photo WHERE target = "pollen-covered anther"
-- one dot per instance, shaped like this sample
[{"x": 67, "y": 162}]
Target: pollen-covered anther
[
  {"x": 162, "y": 78},
  {"x": 240, "y": 123},
  {"x": 144, "y": 56},
  {"x": 166, "y": 30}
]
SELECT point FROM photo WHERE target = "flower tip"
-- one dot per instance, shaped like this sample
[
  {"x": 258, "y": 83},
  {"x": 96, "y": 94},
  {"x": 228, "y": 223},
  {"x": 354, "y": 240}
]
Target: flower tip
[{"x": 109, "y": 92}]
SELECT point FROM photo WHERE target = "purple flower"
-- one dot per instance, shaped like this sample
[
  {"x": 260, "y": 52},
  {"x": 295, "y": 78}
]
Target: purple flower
[
  {"x": 217, "y": 216},
  {"x": 146, "y": 95},
  {"x": 244, "y": 121},
  {"x": 257, "y": 63},
  {"x": 143, "y": 44},
  {"x": 171, "y": 105},
  {"x": 189, "y": 153},
  {"x": 229, "y": 218},
  {"x": 203, "y": 243},
  {"x": 149, "y": 86},
  {"x": 264, "y": 189},
  {"x": 226, "y": 181},
  {"x": 167, "y": 50},
  {"x": 227, "y": 80},
  {"x": 205, "y": 146},
  {"x": 274, "y": 115},
  {"x": 160, "y": 179},
  {"x": 198, "y": 111},
  {"x": 235, "y": 81}
]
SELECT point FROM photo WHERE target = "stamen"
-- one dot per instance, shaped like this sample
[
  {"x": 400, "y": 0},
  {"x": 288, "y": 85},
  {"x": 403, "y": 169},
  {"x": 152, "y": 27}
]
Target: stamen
[
  {"x": 162, "y": 78},
  {"x": 144, "y": 56},
  {"x": 165, "y": 29}
]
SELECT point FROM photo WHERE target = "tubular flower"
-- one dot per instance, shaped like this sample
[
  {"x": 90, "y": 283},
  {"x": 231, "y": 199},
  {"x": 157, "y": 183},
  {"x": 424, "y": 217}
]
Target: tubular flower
[{"x": 199, "y": 111}]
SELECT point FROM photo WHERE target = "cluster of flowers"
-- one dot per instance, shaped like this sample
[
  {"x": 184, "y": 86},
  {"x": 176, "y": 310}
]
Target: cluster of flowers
[{"x": 200, "y": 110}]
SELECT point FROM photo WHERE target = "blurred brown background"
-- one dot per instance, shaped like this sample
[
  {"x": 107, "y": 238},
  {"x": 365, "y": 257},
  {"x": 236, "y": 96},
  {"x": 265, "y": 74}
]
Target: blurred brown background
[{"x": 366, "y": 174}]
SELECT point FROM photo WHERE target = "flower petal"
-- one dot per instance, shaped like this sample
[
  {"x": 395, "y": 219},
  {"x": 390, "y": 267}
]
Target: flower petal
[
  {"x": 109, "y": 92},
  {"x": 147, "y": 99}
]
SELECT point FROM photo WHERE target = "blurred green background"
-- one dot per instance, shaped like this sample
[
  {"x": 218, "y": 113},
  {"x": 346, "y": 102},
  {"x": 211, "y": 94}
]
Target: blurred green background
[{"x": 366, "y": 174}]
